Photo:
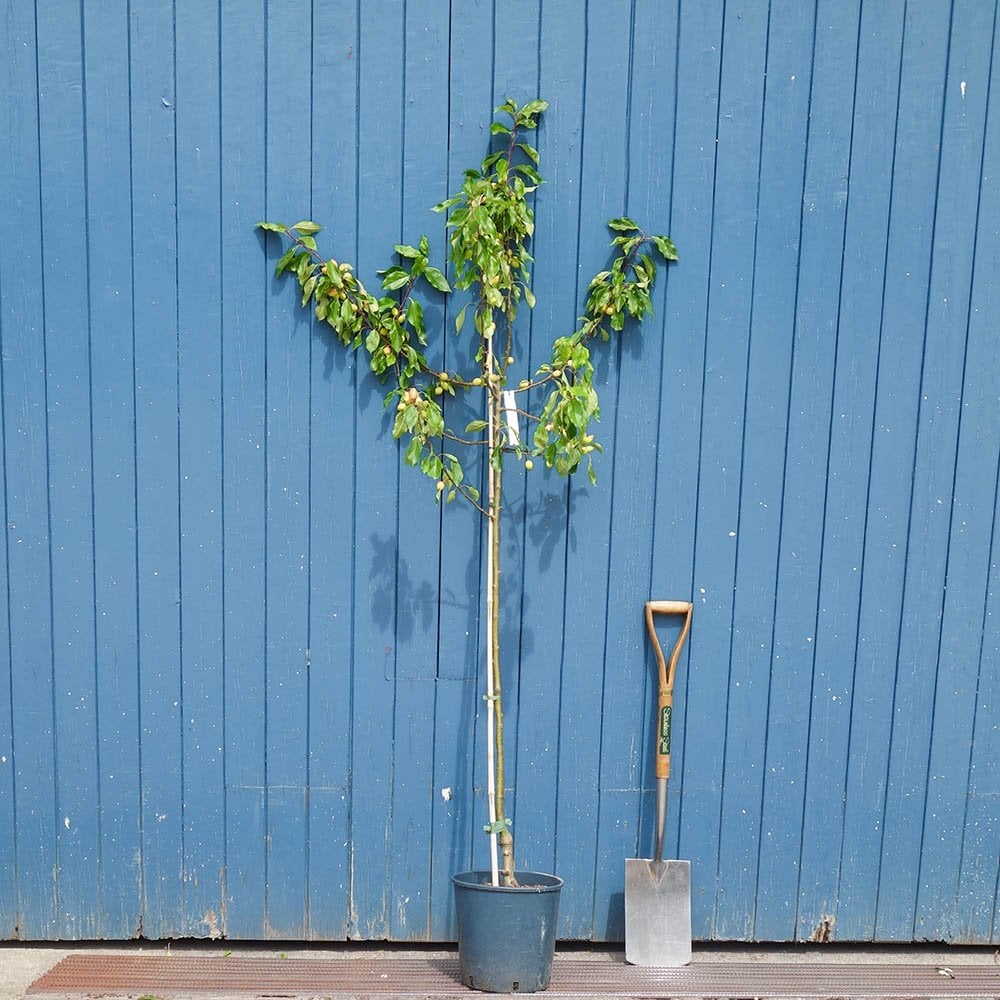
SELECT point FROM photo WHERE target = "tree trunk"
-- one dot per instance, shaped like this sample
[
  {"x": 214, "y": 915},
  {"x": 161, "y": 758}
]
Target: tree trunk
[{"x": 504, "y": 835}]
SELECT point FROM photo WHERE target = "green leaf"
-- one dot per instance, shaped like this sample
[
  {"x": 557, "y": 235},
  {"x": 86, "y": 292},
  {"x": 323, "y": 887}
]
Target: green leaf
[
  {"x": 665, "y": 246},
  {"x": 535, "y": 107},
  {"x": 460, "y": 318},
  {"x": 475, "y": 425},
  {"x": 499, "y": 129},
  {"x": 529, "y": 297},
  {"x": 393, "y": 278},
  {"x": 529, "y": 151},
  {"x": 304, "y": 267},
  {"x": 530, "y": 172},
  {"x": 622, "y": 225},
  {"x": 437, "y": 280},
  {"x": 306, "y": 226},
  {"x": 489, "y": 162},
  {"x": 273, "y": 227},
  {"x": 415, "y": 316},
  {"x": 285, "y": 261},
  {"x": 443, "y": 206},
  {"x": 413, "y": 451},
  {"x": 591, "y": 475},
  {"x": 410, "y": 253}
]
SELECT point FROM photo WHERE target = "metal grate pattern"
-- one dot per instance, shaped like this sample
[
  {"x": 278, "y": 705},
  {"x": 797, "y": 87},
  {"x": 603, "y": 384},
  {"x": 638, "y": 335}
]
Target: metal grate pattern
[{"x": 165, "y": 976}]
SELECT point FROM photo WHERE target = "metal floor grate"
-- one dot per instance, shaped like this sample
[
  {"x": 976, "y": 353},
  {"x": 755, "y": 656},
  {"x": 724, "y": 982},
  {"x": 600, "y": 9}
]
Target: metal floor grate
[{"x": 165, "y": 976}]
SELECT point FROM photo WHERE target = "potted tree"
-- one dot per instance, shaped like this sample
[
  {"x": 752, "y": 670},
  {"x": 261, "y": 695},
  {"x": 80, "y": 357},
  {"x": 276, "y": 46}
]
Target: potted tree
[{"x": 491, "y": 222}]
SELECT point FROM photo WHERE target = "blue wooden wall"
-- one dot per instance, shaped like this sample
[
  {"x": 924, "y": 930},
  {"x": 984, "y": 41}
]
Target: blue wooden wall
[{"x": 240, "y": 644}]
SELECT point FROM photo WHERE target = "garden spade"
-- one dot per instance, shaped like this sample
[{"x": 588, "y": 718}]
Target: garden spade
[{"x": 658, "y": 892}]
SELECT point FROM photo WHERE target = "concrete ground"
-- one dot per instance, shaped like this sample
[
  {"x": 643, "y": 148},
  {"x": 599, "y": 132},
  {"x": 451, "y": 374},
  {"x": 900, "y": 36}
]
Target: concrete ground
[{"x": 21, "y": 965}]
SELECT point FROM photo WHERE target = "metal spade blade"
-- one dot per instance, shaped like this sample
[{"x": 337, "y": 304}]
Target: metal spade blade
[{"x": 657, "y": 912}]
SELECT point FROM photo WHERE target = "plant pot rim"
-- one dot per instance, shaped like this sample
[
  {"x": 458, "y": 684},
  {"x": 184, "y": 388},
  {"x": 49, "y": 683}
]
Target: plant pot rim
[{"x": 532, "y": 882}]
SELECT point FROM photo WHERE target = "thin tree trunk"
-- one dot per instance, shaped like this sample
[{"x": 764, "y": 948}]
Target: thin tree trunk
[{"x": 506, "y": 840}]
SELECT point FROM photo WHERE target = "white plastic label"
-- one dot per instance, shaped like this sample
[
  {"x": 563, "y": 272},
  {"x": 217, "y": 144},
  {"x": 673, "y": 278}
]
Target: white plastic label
[{"x": 510, "y": 414}]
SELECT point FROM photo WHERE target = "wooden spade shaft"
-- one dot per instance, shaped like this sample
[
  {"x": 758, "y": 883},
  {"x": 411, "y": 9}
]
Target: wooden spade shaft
[{"x": 665, "y": 702}]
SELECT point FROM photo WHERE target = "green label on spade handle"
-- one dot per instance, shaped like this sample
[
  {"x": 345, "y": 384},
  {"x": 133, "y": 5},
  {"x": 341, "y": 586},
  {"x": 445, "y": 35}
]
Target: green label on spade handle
[{"x": 665, "y": 731}]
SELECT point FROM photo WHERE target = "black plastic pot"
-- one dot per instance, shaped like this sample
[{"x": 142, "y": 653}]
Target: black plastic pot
[{"x": 506, "y": 937}]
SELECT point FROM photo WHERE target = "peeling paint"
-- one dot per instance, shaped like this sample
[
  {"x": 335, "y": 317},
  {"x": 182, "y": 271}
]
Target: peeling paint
[
  {"x": 823, "y": 931},
  {"x": 211, "y": 921}
]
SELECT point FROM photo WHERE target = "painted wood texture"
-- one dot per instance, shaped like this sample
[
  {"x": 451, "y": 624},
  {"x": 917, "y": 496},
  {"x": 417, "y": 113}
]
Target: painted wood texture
[{"x": 241, "y": 645}]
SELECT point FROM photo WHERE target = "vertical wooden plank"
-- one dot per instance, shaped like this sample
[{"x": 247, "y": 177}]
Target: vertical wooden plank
[
  {"x": 893, "y": 448},
  {"x": 29, "y": 609},
  {"x": 154, "y": 275},
  {"x": 651, "y": 153},
  {"x": 528, "y": 680},
  {"x": 550, "y": 734},
  {"x": 700, "y": 33},
  {"x": 245, "y": 279},
  {"x": 332, "y": 478},
  {"x": 848, "y": 469},
  {"x": 817, "y": 302},
  {"x": 458, "y": 794},
  {"x": 8, "y": 848},
  {"x": 722, "y": 425},
  {"x": 745, "y": 829},
  {"x": 67, "y": 355},
  {"x": 109, "y": 235},
  {"x": 625, "y": 683},
  {"x": 375, "y": 605},
  {"x": 651, "y": 150},
  {"x": 950, "y": 578},
  {"x": 8, "y": 827},
  {"x": 788, "y": 52},
  {"x": 682, "y": 382},
  {"x": 8, "y": 851},
  {"x": 975, "y": 515},
  {"x": 200, "y": 443},
  {"x": 476, "y": 142},
  {"x": 604, "y": 569},
  {"x": 288, "y": 348},
  {"x": 529, "y": 672},
  {"x": 423, "y": 149}
]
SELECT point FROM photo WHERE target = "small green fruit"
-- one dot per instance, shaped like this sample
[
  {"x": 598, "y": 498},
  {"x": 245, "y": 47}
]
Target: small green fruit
[{"x": 529, "y": 465}]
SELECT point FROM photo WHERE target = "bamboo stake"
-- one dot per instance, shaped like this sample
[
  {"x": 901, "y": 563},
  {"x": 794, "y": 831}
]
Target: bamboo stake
[{"x": 490, "y": 613}]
